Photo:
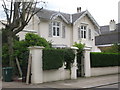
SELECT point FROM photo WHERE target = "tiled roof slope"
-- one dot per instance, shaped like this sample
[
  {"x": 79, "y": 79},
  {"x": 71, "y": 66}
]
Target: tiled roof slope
[
  {"x": 107, "y": 36},
  {"x": 47, "y": 14}
]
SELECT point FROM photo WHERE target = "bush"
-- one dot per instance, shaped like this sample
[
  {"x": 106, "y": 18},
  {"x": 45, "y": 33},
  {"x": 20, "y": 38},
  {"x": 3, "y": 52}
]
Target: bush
[
  {"x": 52, "y": 59},
  {"x": 104, "y": 59},
  {"x": 5, "y": 56},
  {"x": 35, "y": 40},
  {"x": 68, "y": 57},
  {"x": 80, "y": 50}
]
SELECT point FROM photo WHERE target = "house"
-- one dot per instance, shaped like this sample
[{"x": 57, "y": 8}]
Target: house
[
  {"x": 109, "y": 35},
  {"x": 63, "y": 30}
]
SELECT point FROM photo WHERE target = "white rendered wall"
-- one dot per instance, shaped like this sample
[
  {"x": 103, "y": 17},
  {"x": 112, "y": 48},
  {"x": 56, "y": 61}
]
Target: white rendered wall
[
  {"x": 44, "y": 32},
  {"x": 104, "y": 71},
  {"x": 55, "y": 75},
  {"x": 88, "y": 43}
]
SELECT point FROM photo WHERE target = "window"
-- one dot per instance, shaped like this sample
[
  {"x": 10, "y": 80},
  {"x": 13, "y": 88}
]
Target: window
[
  {"x": 83, "y": 31},
  {"x": 56, "y": 28}
]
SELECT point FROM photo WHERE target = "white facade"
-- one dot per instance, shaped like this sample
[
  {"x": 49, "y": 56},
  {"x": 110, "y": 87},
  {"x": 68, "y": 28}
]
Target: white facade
[{"x": 41, "y": 27}]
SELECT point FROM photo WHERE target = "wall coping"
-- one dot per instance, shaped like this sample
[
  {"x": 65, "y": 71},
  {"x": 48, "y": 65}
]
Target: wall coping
[
  {"x": 74, "y": 48},
  {"x": 87, "y": 48},
  {"x": 36, "y": 47}
]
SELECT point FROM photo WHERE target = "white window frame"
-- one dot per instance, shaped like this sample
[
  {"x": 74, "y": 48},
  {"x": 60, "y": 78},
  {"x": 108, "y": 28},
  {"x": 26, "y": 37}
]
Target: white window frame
[
  {"x": 54, "y": 25},
  {"x": 83, "y": 31}
]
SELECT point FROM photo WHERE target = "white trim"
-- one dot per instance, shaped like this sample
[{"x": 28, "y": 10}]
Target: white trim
[
  {"x": 90, "y": 16},
  {"x": 27, "y": 30},
  {"x": 53, "y": 17},
  {"x": 71, "y": 18},
  {"x": 104, "y": 45}
]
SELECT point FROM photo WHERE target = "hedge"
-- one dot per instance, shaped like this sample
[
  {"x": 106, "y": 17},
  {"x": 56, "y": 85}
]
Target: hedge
[
  {"x": 104, "y": 59},
  {"x": 52, "y": 59}
]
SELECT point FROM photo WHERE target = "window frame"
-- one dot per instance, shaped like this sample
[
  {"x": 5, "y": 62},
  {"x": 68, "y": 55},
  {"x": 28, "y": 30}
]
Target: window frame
[
  {"x": 83, "y": 31},
  {"x": 56, "y": 31}
]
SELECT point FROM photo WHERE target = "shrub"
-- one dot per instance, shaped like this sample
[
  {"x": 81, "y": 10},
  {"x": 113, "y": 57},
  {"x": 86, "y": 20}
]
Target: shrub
[
  {"x": 35, "y": 40},
  {"x": 5, "y": 56},
  {"x": 68, "y": 57},
  {"x": 80, "y": 50},
  {"x": 104, "y": 59},
  {"x": 52, "y": 59}
]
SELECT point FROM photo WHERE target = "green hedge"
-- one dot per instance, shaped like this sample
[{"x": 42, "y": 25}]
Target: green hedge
[
  {"x": 104, "y": 59},
  {"x": 52, "y": 59}
]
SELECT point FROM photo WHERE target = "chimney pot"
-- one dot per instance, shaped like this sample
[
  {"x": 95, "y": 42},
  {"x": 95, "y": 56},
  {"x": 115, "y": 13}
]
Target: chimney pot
[
  {"x": 112, "y": 25},
  {"x": 78, "y": 9}
]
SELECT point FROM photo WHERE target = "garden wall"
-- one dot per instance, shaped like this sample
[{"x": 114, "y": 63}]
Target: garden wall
[
  {"x": 104, "y": 70},
  {"x": 54, "y": 75},
  {"x": 104, "y": 63}
]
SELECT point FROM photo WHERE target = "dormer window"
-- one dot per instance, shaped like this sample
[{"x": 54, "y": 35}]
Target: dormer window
[{"x": 55, "y": 28}]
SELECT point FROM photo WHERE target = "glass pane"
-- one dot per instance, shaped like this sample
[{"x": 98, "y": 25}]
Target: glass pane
[
  {"x": 53, "y": 23},
  {"x": 58, "y": 24},
  {"x": 58, "y": 33},
  {"x": 84, "y": 34},
  {"x": 81, "y": 27},
  {"x": 54, "y": 31},
  {"x": 84, "y": 27},
  {"x": 81, "y": 34}
]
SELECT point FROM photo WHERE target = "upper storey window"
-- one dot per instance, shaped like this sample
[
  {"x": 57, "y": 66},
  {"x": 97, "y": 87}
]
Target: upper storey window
[
  {"x": 83, "y": 30},
  {"x": 55, "y": 28}
]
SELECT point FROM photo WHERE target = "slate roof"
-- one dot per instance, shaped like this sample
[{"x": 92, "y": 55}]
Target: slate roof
[
  {"x": 77, "y": 15},
  {"x": 47, "y": 14},
  {"x": 107, "y": 36}
]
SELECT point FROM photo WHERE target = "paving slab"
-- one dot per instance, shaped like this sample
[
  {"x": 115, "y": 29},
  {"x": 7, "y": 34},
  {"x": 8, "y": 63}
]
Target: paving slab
[{"x": 81, "y": 82}]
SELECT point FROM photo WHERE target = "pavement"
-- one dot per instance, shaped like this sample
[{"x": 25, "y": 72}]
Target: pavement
[{"x": 81, "y": 82}]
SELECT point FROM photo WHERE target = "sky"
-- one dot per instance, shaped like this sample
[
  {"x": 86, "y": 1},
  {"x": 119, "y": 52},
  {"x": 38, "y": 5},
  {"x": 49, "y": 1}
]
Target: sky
[{"x": 102, "y": 10}]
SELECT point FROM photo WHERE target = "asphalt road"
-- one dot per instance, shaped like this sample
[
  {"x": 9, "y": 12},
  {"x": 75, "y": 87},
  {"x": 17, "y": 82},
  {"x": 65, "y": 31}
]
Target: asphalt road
[{"x": 114, "y": 86}]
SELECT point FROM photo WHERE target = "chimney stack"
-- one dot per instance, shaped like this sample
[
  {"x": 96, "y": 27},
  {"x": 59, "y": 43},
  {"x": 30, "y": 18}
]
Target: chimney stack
[
  {"x": 78, "y": 9},
  {"x": 112, "y": 25}
]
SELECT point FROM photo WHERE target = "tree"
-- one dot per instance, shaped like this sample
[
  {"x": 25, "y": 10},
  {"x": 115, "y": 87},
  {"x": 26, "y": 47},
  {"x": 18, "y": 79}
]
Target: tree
[{"x": 18, "y": 15}]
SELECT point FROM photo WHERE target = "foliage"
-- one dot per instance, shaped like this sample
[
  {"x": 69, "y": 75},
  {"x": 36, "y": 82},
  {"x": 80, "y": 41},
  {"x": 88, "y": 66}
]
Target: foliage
[
  {"x": 5, "y": 56},
  {"x": 80, "y": 46},
  {"x": 80, "y": 50},
  {"x": 35, "y": 40},
  {"x": 21, "y": 49},
  {"x": 18, "y": 15},
  {"x": 68, "y": 57},
  {"x": 52, "y": 59},
  {"x": 21, "y": 52},
  {"x": 113, "y": 49},
  {"x": 104, "y": 59}
]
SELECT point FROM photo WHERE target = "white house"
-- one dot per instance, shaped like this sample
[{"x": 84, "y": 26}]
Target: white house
[{"x": 63, "y": 29}]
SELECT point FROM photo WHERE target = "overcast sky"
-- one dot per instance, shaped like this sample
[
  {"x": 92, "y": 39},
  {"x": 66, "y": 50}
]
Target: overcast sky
[{"x": 102, "y": 10}]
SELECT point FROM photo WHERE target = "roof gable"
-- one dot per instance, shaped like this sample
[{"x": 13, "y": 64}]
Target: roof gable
[
  {"x": 69, "y": 18},
  {"x": 82, "y": 14},
  {"x": 54, "y": 16}
]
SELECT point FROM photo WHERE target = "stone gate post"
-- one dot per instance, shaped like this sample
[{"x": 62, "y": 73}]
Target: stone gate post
[
  {"x": 87, "y": 66},
  {"x": 74, "y": 65},
  {"x": 36, "y": 65}
]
